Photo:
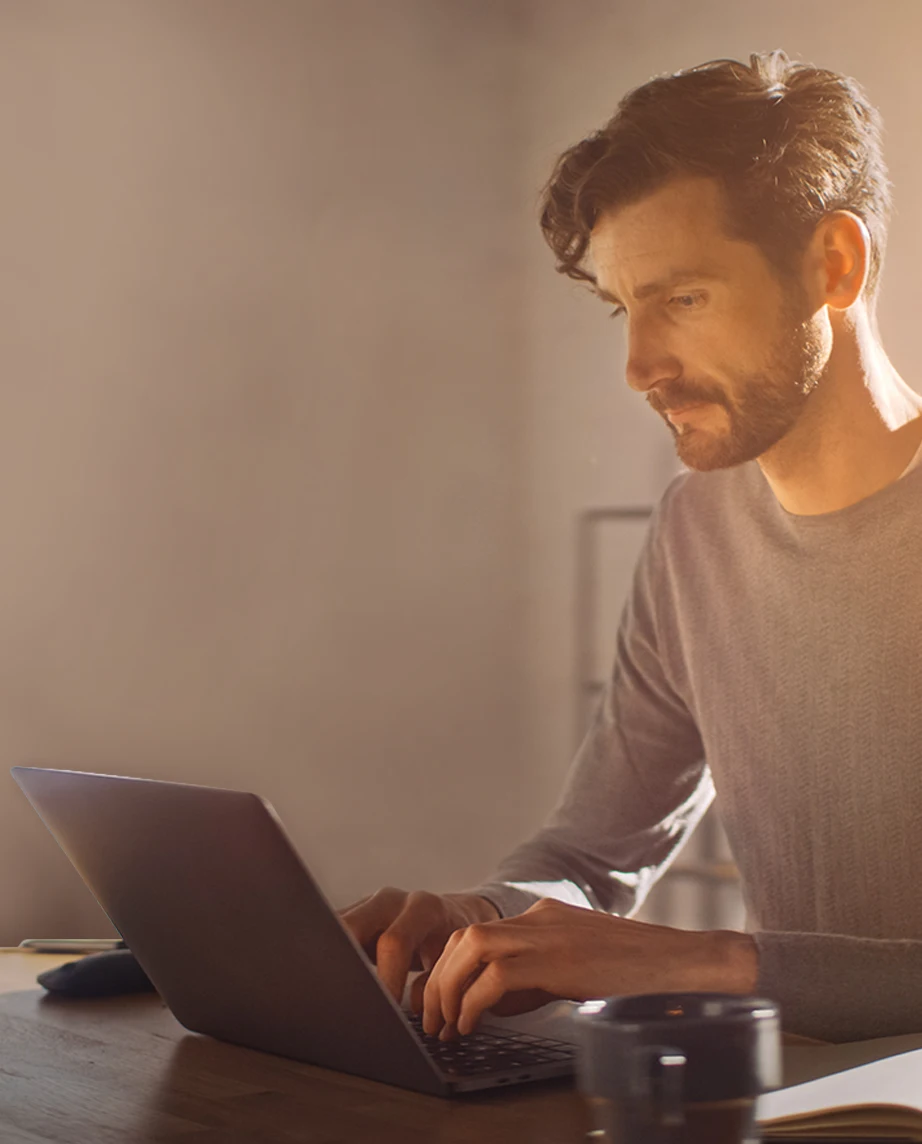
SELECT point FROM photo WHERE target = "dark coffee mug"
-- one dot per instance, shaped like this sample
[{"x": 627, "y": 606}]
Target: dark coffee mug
[{"x": 678, "y": 1068}]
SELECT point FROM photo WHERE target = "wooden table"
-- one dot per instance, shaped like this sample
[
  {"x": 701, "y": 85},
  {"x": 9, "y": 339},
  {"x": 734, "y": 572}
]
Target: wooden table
[{"x": 120, "y": 1070}]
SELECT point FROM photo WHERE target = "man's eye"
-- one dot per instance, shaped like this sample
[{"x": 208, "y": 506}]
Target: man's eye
[{"x": 619, "y": 310}]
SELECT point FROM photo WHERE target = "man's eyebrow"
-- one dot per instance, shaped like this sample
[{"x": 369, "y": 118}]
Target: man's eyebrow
[{"x": 673, "y": 279}]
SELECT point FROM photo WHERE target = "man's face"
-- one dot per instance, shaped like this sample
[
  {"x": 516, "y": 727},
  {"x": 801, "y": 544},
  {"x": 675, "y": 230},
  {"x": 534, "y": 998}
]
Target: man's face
[{"x": 727, "y": 337}]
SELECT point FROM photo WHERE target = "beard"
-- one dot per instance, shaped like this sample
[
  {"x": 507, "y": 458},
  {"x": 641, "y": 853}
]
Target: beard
[{"x": 765, "y": 406}]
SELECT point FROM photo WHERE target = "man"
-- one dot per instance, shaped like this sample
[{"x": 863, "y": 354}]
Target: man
[{"x": 770, "y": 646}]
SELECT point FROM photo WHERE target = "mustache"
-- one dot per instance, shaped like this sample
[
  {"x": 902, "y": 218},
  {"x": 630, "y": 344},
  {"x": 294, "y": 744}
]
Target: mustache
[{"x": 672, "y": 399}]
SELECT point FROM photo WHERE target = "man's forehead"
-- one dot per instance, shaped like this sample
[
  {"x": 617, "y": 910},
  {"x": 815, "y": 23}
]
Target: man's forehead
[
  {"x": 653, "y": 268},
  {"x": 679, "y": 224},
  {"x": 661, "y": 245}
]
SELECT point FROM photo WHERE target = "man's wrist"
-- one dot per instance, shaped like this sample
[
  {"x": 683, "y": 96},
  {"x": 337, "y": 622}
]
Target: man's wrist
[
  {"x": 737, "y": 962},
  {"x": 477, "y": 908}
]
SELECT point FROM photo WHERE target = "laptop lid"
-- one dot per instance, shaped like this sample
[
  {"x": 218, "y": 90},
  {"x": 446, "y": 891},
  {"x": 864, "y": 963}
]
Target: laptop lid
[{"x": 211, "y": 897}]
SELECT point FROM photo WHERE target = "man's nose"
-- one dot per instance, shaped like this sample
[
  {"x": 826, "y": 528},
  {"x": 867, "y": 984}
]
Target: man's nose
[{"x": 650, "y": 362}]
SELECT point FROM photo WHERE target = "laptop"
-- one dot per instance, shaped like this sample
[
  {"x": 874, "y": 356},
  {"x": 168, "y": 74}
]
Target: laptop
[{"x": 209, "y": 894}]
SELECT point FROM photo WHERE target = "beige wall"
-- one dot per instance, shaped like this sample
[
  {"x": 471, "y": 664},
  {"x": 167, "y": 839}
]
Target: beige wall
[
  {"x": 296, "y": 418},
  {"x": 260, "y": 432}
]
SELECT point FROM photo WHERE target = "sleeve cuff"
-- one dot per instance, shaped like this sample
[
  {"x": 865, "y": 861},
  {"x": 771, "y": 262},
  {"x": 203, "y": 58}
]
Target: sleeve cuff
[{"x": 512, "y": 898}]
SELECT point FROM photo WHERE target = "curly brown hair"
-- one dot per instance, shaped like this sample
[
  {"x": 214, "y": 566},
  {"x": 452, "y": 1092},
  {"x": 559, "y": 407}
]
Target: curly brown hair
[{"x": 788, "y": 143}]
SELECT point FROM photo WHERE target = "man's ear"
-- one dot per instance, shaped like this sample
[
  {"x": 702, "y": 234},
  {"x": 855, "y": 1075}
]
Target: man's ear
[{"x": 844, "y": 246}]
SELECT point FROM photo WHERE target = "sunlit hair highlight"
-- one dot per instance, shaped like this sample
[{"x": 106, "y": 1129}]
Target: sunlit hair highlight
[{"x": 787, "y": 142}]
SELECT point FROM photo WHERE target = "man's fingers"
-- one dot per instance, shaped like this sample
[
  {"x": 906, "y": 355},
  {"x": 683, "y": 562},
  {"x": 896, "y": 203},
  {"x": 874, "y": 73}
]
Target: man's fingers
[
  {"x": 430, "y": 951},
  {"x": 371, "y": 916},
  {"x": 400, "y": 945},
  {"x": 417, "y": 989},
  {"x": 432, "y": 1003},
  {"x": 394, "y": 956},
  {"x": 463, "y": 959},
  {"x": 402, "y": 931},
  {"x": 506, "y": 976}
]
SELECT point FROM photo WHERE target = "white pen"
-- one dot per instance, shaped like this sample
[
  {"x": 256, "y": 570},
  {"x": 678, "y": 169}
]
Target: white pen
[{"x": 71, "y": 944}]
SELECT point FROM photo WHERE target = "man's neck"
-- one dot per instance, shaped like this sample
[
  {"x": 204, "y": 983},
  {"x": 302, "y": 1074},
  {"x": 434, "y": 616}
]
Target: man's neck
[{"x": 859, "y": 431}]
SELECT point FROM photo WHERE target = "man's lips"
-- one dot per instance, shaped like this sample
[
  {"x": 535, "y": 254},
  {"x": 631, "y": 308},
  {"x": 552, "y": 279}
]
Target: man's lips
[{"x": 684, "y": 410}]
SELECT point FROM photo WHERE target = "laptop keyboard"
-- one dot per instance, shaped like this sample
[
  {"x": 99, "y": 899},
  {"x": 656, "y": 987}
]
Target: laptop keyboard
[{"x": 488, "y": 1052}]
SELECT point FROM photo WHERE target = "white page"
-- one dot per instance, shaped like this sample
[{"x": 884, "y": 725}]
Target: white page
[
  {"x": 893, "y": 1080},
  {"x": 807, "y": 1062}
]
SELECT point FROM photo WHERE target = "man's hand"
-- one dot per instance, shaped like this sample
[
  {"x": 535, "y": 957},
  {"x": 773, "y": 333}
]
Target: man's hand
[
  {"x": 402, "y": 931},
  {"x": 555, "y": 950}
]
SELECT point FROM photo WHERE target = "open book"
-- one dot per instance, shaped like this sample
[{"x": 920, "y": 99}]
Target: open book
[{"x": 880, "y": 1098}]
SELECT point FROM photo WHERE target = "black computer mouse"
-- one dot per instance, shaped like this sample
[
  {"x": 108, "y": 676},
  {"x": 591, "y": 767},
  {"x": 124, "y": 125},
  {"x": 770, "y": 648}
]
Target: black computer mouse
[{"x": 98, "y": 975}]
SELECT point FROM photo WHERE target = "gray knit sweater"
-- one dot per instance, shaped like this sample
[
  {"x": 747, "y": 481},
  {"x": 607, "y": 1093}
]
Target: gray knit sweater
[{"x": 777, "y": 659}]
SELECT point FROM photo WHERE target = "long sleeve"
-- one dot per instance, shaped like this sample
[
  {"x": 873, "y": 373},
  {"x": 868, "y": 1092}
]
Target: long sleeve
[
  {"x": 636, "y": 790},
  {"x": 842, "y": 988}
]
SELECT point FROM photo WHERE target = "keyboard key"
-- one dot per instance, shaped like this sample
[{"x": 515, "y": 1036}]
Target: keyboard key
[{"x": 485, "y": 1052}]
